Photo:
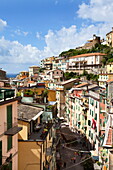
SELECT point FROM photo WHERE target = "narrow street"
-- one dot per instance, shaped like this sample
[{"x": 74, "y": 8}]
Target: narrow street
[{"x": 69, "y": 149}]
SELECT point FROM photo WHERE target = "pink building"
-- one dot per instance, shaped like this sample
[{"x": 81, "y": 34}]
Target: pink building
[{"x": 8, "y": 130}]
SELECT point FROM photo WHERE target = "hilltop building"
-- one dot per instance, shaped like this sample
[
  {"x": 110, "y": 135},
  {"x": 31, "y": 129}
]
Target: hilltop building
[{"x": 109, "y": 38}]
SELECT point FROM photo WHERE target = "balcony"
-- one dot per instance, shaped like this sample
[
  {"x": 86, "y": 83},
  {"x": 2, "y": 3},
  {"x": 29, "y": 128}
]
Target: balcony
[
  {"x": 41, "y": 133},
  {"x": 6, "y": 94},
  {"x": 14, "y": 129}
]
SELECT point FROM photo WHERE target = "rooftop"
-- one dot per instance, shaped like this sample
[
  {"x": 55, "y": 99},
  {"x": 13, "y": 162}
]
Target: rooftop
[
  {"x": 28, "y": 113},
  {"x": 81, "y": 85},
  {"x": 88, "y": 55},
  {"x": 66, "y": 82},
  {"x": 42, "y": 132},
  {"x": 110, "y": 80}
]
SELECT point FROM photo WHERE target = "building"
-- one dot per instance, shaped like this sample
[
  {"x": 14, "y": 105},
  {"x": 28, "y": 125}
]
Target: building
[
  {"x": 61, "y": 63},
  {"x": 61, "y": 89},
  {"x": 47, "y": 63},
  {"x": 35, "y": 140},
  {"x": 109, "y": 38},
  {"x": 90, "y": 43},
  {"x": 90, "y": 62},
  {"x": 33, "y": 70},
  {"x": 23, "y": 75},
  {"x": 109, "y": 68},
  {"x": 76, "y": 109},
  {"x": 8, "y": 130},
  {"x": 103, "y": 78},
  {"x": 2, "y": 74}
]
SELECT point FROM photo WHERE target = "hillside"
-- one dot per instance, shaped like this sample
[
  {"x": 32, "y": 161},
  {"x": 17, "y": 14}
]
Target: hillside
[{"x": 98, "y": 48}]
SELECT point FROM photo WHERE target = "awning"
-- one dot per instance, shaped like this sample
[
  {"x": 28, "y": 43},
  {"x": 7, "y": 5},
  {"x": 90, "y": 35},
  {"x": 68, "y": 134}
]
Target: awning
[{"x": 35, "y": 117}]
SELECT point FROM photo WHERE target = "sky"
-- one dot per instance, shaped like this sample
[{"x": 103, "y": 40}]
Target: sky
[{"x": 31, "y": 30}]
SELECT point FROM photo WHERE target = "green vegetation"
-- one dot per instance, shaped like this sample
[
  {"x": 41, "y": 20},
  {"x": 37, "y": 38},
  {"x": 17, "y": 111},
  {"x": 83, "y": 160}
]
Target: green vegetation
[
  {"x": 98, "y": 48},
  {"x": 90, "y": 76},
  {"x": 70, "y": 75},
  {"x": 29, "y": 92},
  {"x": 41, "y": 70}
]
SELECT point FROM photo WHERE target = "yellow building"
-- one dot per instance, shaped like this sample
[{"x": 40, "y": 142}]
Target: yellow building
[
  {"x": 109, "y": 68},
  {"x": 109, "y": 38},
  {"x": 103, "y": 78},
  {"x": 35, "y": 145}
]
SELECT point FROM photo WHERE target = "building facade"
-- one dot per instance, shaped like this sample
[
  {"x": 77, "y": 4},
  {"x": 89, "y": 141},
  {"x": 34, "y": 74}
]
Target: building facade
[{"x": 8, "y": 130}]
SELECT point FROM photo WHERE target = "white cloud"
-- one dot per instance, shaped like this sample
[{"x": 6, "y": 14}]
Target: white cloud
[
  {"x": 2, "y": 24},
  {"x": 97, "y": 10},
  {"x": 38, "y": 35},
  {"x": 20, "y": 32},
  {"x": 13, "y": 53}
]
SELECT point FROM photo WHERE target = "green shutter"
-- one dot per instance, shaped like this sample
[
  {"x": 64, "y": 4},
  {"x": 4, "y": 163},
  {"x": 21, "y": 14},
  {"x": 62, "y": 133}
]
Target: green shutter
[
  {"x": 92, "y": 113},
  {"x": 89, "y": 122},
  {"x": 10, "y": 166},
  {"x": 9, "y": 142},
  {"x": 0, "y": 152},
  {"x": 95, "y": 116},
  {"x": 9, "y": 116}
]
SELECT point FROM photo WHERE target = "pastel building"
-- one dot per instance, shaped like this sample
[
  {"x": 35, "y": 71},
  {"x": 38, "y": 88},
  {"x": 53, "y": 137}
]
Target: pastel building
[
  {"x": 103, "y": 78},
  {"x": 61, "y": 63},
  {"x": 33, "y": 70},
  {"x": 47, "y": 63},
  {"x": 109, "y": 38},
  {"x": 8, "y": 130},
  {"x": 61, "y": 89},
  {"x": 36, "y": 145},
  {"x": 89, "y": 62}
]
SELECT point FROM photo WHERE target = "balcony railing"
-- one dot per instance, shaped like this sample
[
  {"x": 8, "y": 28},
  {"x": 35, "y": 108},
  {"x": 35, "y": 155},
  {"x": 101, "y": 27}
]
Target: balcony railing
[
  {"x": 14, "y": 129},
  {"x": 6, "y": 94}
]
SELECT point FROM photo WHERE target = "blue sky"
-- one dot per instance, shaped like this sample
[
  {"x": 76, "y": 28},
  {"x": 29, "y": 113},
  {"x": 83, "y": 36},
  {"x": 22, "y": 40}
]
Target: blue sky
[{"x": 31, "y": 30}]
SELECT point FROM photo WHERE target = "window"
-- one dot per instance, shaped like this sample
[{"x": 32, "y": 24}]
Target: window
[
  {"x": 89, "y": 122},
  {"x": 89, "y": 133},
  {"x": 9, "y": 143},
  {"x": 96, "y": 104},
  {"x": 92, "y": 113},
  {"x": 9, "y": 116},
  {"x": 95, "y": 116}
]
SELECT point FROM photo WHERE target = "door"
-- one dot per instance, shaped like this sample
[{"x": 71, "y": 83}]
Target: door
[{"x": 9, "y": 117}]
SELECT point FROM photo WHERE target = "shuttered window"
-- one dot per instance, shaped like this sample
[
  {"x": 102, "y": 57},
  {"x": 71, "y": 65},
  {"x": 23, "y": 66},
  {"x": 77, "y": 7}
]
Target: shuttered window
[
  {"x": 9, "y": 143},
  {"x": 9, "y": 116}
]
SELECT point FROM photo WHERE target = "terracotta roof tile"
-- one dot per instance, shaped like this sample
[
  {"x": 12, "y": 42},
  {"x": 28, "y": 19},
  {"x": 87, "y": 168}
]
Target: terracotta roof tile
[
  {"x": 87, "y": 55},
  {"x": 80, "y": 85}
]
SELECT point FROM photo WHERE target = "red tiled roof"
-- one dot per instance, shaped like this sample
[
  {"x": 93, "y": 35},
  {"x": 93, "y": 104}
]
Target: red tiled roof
[
  {"x": 87, "y": 55},
  {"x": 110, "y": 80},
  {"x": 80, "y": 85}
]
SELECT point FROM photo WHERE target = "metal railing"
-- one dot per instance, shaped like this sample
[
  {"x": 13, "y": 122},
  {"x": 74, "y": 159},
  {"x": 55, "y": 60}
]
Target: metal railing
[{"x": 6, "y": 93}]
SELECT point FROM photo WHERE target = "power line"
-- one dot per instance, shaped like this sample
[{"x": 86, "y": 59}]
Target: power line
[
  {"x": 77, "y": 163},
  {"x": 75, "y": 150}
]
